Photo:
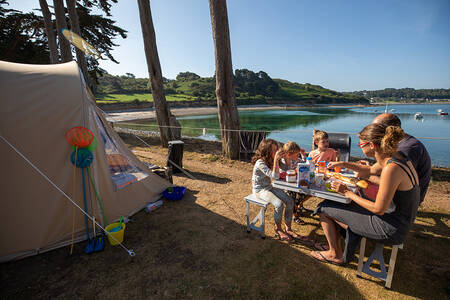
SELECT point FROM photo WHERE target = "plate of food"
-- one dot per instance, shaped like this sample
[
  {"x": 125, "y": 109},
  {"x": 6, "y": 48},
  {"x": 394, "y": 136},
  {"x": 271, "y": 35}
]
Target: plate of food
[{"x": 350, "y": 182}]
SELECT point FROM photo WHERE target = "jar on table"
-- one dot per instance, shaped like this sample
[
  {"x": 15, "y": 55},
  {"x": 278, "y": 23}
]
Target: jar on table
[
  {"x": 291, "y": 176},
  {"x": 320, "y": 179},
  {"x": 322, "y": 167}
]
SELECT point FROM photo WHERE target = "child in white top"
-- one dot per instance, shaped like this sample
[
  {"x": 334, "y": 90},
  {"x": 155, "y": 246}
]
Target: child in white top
[{"x": 267, "y": 166}]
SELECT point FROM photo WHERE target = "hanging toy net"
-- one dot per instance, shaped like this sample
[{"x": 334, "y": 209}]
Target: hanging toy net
[
  {"x": 83, "y": 156},
  {"x": 79, "y": 137}
]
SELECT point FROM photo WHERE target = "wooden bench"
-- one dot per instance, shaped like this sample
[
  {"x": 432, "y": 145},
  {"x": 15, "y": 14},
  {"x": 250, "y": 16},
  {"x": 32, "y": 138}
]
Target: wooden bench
[
  {"x": 378, "y": 255},
  {"x": 259, "y": 217}
]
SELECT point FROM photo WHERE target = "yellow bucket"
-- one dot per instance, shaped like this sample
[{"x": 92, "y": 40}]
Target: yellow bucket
[{"x": 118, "y": 235}]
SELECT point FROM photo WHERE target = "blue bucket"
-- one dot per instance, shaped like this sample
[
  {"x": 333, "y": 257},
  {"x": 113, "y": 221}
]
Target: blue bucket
[{"x": 176, "y": 194}]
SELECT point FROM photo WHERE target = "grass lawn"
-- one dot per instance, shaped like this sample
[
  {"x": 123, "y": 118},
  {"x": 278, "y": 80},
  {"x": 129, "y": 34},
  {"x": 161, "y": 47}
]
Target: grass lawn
[
  {"x": 115, "y": 98},
  {"x": 198, "y": 248}
]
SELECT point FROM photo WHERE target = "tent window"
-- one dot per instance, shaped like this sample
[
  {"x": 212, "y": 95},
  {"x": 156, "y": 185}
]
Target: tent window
[{"x": 123, "y": 171}]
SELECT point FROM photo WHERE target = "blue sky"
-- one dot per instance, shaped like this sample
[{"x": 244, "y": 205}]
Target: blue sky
[{"x": 343, "y": 45}]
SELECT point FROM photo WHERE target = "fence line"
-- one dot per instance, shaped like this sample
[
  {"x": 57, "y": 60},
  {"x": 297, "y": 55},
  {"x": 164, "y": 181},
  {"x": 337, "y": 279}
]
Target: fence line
[{"x": 268, "y": 131}]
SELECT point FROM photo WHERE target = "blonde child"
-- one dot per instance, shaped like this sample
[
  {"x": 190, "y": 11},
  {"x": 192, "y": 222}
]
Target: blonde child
[
  {"x": 323, "y": 153},
  {"x": 293, "y": 154},
  {"x": 267, "y": 166}
]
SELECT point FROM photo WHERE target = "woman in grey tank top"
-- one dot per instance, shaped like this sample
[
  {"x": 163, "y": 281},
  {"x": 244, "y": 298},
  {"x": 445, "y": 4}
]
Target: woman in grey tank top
[{"x": 389, "y": 218}]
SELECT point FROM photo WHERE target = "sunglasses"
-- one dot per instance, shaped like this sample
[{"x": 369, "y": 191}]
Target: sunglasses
[{"x": 361, "y": 145}]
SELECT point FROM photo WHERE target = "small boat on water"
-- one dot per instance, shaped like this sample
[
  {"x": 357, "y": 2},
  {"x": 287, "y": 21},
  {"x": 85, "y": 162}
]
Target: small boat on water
[
  {"x": 439, "y": 110},
  {"x": 418, "y": 116},
  {"x": 443, "y": 113},
  {"x": 392, "y": 110}
]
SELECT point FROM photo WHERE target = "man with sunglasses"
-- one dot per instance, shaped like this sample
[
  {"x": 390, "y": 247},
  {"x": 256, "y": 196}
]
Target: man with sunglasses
[{"x": 409, "y": 146}]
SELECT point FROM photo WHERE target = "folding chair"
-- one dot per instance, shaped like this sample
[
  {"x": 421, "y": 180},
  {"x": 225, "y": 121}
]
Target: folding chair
[{"x": 337, "y": 140}]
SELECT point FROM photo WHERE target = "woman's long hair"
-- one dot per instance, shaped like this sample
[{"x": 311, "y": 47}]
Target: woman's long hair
[
  {"x": 386, "y": 137},
  {"x": 264, "y": 152}
]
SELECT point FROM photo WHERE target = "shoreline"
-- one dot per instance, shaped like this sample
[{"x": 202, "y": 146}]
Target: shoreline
[{"x": 149, "y": 113}]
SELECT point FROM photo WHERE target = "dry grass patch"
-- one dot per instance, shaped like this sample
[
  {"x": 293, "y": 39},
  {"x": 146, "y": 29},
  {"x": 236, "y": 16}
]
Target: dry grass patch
[{"x": 198, "y": 248}]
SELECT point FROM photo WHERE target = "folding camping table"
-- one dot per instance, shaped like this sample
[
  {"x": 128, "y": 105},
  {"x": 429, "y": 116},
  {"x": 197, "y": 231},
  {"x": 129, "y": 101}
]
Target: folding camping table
[{"x": 313, "y": 190}]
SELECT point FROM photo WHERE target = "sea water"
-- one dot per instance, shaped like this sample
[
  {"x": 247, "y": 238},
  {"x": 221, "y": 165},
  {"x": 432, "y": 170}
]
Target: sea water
[{"x": 297, "y": 125}]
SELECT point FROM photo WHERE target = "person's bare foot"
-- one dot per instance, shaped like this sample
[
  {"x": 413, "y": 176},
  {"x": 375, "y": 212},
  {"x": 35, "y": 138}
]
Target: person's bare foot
[
  {"x": 292, "y": 233},
  {"x": 282, "y": 236},
  {"x": 321, "y": 247},
  {"x": 327, "y": 257}
]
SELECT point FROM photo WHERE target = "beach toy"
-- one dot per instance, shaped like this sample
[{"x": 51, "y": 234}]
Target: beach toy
[
  {"x": 118, "y": 227},
  {"x": 115, "y": 238},
  {"x": 79, "y": 136},
  {"x": 91, "y": 147},
  {"x": 176, "y": 194},
  {"x": 83, "y": 156}
]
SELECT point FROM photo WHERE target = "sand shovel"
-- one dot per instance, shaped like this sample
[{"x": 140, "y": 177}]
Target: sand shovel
[
  {"x": 98, "y": 241},
  {"x": 90, "y": 245},
  {"x": 118, "y": 227}
]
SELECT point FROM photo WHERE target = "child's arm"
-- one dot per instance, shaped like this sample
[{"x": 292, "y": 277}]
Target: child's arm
[
  {"x": 303, "y": 153},
  {"x": 274, "y": 174},
  {"x": 338, "y": 155}
]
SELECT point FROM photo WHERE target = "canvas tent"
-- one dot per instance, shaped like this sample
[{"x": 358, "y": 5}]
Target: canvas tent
[{"x": 38, "y": 104}]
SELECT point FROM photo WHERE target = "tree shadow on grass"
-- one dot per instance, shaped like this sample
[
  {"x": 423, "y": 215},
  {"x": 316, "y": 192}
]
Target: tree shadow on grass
[
  {"x": 206, "y": 177},
  {"x": 183, "y": 250}
]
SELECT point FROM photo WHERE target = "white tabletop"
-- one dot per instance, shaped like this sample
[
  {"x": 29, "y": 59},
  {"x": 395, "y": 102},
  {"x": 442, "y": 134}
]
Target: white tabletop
[{"x": 313, "y": 191}]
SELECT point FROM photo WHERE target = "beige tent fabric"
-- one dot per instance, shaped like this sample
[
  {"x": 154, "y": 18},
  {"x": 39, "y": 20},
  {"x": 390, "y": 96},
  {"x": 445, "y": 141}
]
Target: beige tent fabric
[{"x": 38, "y": 104}]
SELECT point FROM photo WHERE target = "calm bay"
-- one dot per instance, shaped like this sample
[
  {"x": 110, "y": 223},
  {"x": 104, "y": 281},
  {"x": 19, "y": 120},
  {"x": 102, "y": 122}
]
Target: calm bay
[{"x": 297, "y": 124}]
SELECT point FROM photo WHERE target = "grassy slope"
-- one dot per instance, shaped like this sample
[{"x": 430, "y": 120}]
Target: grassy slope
[{"x": 291, "y": 92}]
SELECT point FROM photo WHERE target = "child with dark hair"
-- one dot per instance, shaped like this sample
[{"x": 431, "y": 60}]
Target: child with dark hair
[{"x": 267, "y": 167}]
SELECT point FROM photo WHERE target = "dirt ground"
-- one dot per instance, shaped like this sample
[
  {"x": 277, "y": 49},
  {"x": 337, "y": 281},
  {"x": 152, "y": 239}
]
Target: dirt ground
[{"x": 198, "y": 248}]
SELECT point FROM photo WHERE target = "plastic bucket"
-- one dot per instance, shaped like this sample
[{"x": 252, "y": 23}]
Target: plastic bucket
[{"x": 118, "y": 235}]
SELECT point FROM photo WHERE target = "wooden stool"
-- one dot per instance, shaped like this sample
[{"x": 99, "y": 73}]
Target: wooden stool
[
  {"x": 260, "y": 217},
  {"x": 378, "y": 255}
]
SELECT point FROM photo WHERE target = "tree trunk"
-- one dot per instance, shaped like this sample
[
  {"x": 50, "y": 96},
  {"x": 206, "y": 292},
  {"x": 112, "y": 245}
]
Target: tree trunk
[
  {"x": 75, "y": 27},
  {"x": 54, "y": 58},
  {"x": 64, "y": 45},
  {"x": 226, "y": 103},
  {"x": 154, "y": 72}
]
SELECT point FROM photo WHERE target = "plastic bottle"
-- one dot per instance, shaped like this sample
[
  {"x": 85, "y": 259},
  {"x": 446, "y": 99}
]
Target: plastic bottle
[{"x": 152, "y": 206}]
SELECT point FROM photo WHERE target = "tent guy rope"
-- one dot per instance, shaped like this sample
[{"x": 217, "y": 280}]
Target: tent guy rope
[{"x": 129, "y": 251}]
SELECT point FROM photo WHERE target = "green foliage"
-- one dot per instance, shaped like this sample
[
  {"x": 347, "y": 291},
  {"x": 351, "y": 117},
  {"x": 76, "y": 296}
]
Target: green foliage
[
  {"x": 23, "y": 38},
  {"x": 187, "y": 76},
  {"x": 405, "y": 94},
  {"x": 250, "y": 88},
  {"x": 125, "y": 84},
  {"x": 246, "y": 81}
]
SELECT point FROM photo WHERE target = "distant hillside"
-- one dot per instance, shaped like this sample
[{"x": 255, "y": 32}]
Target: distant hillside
[
  {"x": 250, "y": 88},
  {"x": 405, "y": 94}
]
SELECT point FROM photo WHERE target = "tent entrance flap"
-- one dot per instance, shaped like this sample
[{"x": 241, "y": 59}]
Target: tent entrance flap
[{"x": 122, "y": 169}]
